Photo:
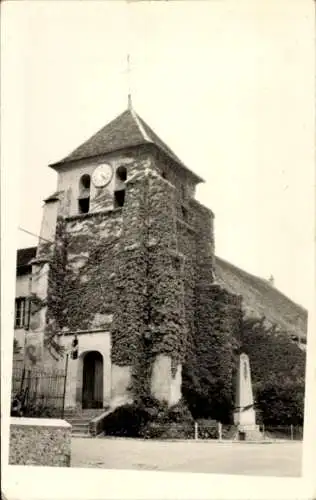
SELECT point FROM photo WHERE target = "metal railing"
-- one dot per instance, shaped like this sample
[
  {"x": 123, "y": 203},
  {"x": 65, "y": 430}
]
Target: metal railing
[
  {"x": 211, "y": 430},
  {"x": 38, "y": 393},
  {"x": 282, "y": 432}
]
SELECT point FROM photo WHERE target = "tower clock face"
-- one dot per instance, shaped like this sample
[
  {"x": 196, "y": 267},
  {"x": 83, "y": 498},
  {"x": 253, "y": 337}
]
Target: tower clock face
[{"x": 102, "y": 175}]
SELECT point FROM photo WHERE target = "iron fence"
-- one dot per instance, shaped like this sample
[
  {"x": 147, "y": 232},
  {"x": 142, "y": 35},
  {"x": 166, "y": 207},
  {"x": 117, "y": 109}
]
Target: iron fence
[
  {"x": 212, "y": 430},
  {"x": 38, "y": 393},
  {"x": 282, "y": 432}
]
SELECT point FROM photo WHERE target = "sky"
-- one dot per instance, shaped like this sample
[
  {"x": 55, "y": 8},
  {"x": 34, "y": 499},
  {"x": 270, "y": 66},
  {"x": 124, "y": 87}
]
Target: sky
[{"x": 228, "y": 85}]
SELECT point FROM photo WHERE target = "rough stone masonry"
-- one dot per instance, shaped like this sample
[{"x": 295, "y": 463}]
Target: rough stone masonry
[{"x": 135, "y": 279}]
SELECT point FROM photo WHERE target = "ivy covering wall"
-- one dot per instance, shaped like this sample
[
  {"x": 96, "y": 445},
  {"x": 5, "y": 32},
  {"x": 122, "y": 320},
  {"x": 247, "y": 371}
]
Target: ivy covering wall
[
  {"x": 145, "y": 272},
  {"x": 80, "y": 289},
  {"x": 148, "y": 317},
  {"x": 208, "y": 374}
]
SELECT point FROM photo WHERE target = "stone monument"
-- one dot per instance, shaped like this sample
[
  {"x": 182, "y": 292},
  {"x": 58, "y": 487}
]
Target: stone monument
[{"x": 244, "y": 413}]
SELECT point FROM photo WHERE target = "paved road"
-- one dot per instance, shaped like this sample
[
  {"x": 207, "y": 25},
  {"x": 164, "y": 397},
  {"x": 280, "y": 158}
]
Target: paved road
[{"x": 267, "y": 459}]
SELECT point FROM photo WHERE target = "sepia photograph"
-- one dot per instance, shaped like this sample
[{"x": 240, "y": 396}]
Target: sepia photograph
[{"x": 162, "y": 234}]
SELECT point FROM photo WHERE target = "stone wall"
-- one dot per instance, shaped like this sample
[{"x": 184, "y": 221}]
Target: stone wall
[
  {"x": 99, "y": 341},
  {"x": 100, "y": 198},
  {"x": 79, "y": 292},
  {"x": 148, "y": 331},
  {"x": 23, "y": 289},
  {"x": 143, "y": 273},
  {"x": 40, "y": 442},
  {"x": 129, "y": 320}
]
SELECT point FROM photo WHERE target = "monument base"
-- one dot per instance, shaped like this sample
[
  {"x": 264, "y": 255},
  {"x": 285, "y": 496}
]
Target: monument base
[
  {"x": 251, "y": 433},
  {"x": 246, "y": 417},
  {"x": 247, "y": 429}
]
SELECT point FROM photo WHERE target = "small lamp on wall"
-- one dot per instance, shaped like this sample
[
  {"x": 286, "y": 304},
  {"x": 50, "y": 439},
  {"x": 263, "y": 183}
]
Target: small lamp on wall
[{"x": 74, "y": 348}]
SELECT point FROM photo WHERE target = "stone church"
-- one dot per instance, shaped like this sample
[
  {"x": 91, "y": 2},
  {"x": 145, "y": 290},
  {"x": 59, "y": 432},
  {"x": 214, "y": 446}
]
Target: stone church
[{"x": 125, "y": 268}]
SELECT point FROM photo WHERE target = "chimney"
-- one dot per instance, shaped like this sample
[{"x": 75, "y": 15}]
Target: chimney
[{"x": 271, "y": 280}]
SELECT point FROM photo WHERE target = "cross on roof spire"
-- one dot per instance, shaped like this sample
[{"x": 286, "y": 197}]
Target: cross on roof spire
[{"x": 129, "y": 82}]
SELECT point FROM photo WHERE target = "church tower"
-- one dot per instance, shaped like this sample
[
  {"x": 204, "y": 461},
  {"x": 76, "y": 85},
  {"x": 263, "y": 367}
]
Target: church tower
[{"x": 125, "y": 263}]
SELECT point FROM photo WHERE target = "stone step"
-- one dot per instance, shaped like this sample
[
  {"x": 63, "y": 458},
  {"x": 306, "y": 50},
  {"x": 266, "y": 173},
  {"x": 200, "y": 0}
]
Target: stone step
[
  {"x": 80, "y": 420},
  {"x": 92, "y": 410},
  {"x": 91, "y": 414},
  {"x": 80, "y": 435},
  {"x": 81, "y": 427},
  {"x": 86, "y": 414},
  {"x": 77, "y": 420},
  {"x": 75, "y": 432}
]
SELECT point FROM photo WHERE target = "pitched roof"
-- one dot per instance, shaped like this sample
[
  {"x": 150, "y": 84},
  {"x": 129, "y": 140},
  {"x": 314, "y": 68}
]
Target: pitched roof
[
  {"x": 125, "y": 131},
  {"x": 260, "y": 298},
  {"x": 53, "y": 197}
]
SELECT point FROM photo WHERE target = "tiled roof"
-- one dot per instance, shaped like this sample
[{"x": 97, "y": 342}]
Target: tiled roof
[
  {"x": 25, "y": 255},
  {"x": 260, "y": 298},
  {"x": 53, "y": 197},
  {"x": 125, "y": 131}
]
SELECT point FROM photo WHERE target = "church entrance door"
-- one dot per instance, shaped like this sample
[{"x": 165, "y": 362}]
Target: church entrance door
[{"x": 92, "y": 387}]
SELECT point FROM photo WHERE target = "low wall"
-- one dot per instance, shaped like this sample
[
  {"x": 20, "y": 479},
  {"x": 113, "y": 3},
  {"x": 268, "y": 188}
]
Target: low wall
[
  {"x": 40, "y": 441},
  {"x": 96, "y": 426}
]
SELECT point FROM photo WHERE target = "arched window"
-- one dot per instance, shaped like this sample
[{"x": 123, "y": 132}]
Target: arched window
[
  {"x": 84, "y": 194},
  {"x": 121, "y": 173},
  {"x": 85, "y": 182},
  {"x": 119, "y": 193},
  {"x": 119, "y": 198}
]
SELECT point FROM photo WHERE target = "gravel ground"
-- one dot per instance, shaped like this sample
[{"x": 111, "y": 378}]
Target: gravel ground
[{"x": 262, "y": 459}]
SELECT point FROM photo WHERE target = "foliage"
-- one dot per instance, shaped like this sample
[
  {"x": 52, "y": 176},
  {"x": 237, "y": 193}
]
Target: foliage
[
  {"x": 209, "y": 369},
  {"x": 16, "y": 347},
  {"x": 167, "y": 423},
  {"x": 129, "y": 317},
  {"x": 56, "y": 256},
  {"x": 207, "y": 429},
  {"x": 125, "y": 421},
  {"x": 39, "y": 410},
  {"x": 281, "y": 402},
  {"x": 278, "y": 371},
  {"x": 157, "y": 282},
  {"x": 172, "y": 430},
  {"x": 75, "y": 296},
  {"x": 148, "y": 315},
  {"x": 129, "y": 330},
  {"x": 56, "y": 280},
  {"x": 88, "y": 288},
  {"x": 165, "y": 310},
  {"x": 149, "y": 418}
]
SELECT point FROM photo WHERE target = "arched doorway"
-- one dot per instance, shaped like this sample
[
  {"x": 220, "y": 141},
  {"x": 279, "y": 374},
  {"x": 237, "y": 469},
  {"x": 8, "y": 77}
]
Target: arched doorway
[{"x": 92, "y": 383}]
